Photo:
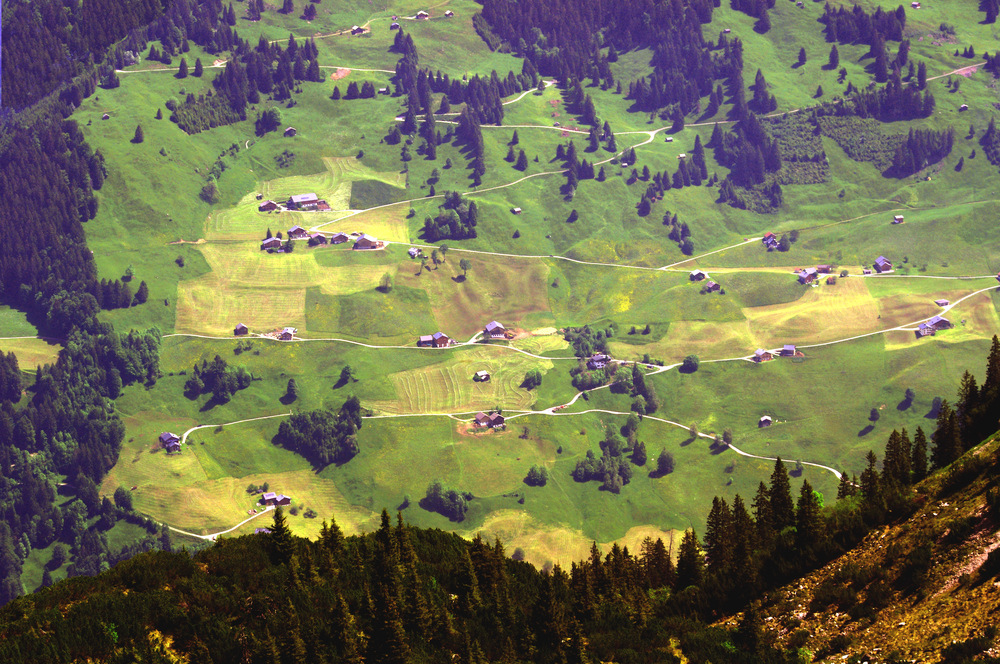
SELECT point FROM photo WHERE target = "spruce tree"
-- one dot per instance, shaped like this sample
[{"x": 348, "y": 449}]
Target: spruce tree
[
  {"x": 719, "y": 538},
  {"x": 780, "y": 497},
  {"x": 808, "y": 521},
  {"x": 919, "y": 461},
  {"x": 198, "y": 69},
  {"x": 834, "y": 59},
  {"x": 690, "y": 562},
  {"x": 138, "y": 138},
  {"x": 183, "y": 71},
  {"x": 281, "y": 538}
]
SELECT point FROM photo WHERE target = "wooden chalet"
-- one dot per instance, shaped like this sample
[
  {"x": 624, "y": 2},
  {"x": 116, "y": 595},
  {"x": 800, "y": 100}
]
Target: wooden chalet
[
  {"x": 770, "y": 240},
  {"x": 764, "y": 421},
  {"x": 925, "y": 330},
  {"x": 240, "y": 330},
  {"x": 272, "y": 498},
  {"x": 882, "y": 264},
  {"x": 712, "y": 287},
  {"x": 436, "y": 340},
  {"x": 287, "y": 334},
  {"x": 366, "y": 241},
  {"x": 823, "y": 269},
  {"x": 698, "y": 275},
  {"x": 808, "y": 275},
  {"x": 268, "y": 206},
  {"x": 482, "y": 375},
  {"x": 302, "y": 201},
  {"x": 339, "y": 238},
  {"x": 171, "y": 442},
  {"x": 317, "y": 239},
  {"x": 939, "y": 323},
  {"x": 422, "y": 15},
  {"x": 494, "y": 330},
  {"x": 482, "y": 420},
  {"x": 271, "y": 243},
  {"x": 297, "y": 233},
  {"x": 290, "y": 131},
  {"x": 788, "y": 350},
  {"x": 496, "y": 420},
  {"x": 761, "y": 355}
]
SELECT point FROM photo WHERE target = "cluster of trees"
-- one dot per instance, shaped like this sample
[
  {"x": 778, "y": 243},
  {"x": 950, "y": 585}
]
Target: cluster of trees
[
  {"x": 322, "y": 436},
  {"x": 754, "y": 159},
  {"x": 690, "y": 172},
  {"x": 267, "y": 70},
  {"x": 399, "y": 594},
  {"x": 218, "y": 378},
  {"x": 446, "y": 502},
  {"x": 856, "y": 26},
  {"x": 588, "y": 340},
  {"x": 48, "y": 43},
  {"x": 10, "y": 378},
  {"x": 990, "y": 140},
  {"x": 921, "y": 148},
  {"x": 537, "y": 476},
  {"x": 613, "y": 469},
  {"x": 456, "y": 221}
]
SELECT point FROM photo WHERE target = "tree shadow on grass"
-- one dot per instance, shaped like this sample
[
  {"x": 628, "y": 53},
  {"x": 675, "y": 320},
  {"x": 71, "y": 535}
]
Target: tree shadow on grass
[
  {"x": 867, "y": 430},
  {"x": 459, "y": 278},
  {"x": 287, "y": 399},
  {"x": 904, "y": 405}
]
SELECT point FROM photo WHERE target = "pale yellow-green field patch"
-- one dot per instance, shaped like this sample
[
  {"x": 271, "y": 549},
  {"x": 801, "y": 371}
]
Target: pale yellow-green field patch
[
  {"x": 542, "y": 343},
  {"x": 211, "y": 306},
  {"x": 385, "y": 223},
  {"x": 31, "y": 353},
  {"x": 447, "y": 386},
  {"x": 703, "y": 338},
  {"x": 824, "y": 313},
  {"x": 497, "y": 288},
  {"x": 975, "y": 318}
]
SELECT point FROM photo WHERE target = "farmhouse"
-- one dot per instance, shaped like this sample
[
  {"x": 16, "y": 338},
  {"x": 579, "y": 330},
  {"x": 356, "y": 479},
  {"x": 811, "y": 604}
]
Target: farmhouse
[
  {"x": 788, "y": 350},
  {"x": 494, "y": 330},
  {"x": 765, "y": 421},
  {"x": 712, "y": 287},
  {"x": 482, "y": 375},
  {"x": 240, "y": 330},
  {"x": 436, "y": 340},
  {"x": 941, "y": 303},
  {"x": 598, "y": 361},
  {"x": 339, "y": 238},
  {"x": 939, "y": 323},
  {"x": 898, "y": 219},
  {"x": 287, "y": 333},
  {"x": 290, "y": 131},
  {"x": 271, "y": 243},
  {"x": 366, "y": 241},
  {"x": 422, "y": 14},
  {"x": 761, "y": 355},
  {"x": 807, "y": 276},
  {"x": 830, "y": 281},
  {"x": 167, "y": 439},
  {"x": 482, "y": 419},
  {"x": 297, "y": 233},
  {"x": 267, "y": 206},
  {"x": 698, "y": 275},
  {"x": 317, "y": 239},
  {"x": 413, "y": 252},
  {"x": 302, "y": 201},
  {"x": 925, "y": 330},
  {"x": 496, "y": 420},
  {"x": 882, "y": 264},
  {"x": 770, "y": 240},
  {"x": 823, "y": 269},
  {"x": 272, "y": 498}
]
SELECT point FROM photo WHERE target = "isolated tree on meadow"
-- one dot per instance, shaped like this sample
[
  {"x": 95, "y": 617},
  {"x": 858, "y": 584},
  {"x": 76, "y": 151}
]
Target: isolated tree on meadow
[
  {"x": 465, "y": 265},
  {"x": 664, "y": 463},
  {"x": 142, "y": 294},
  {"x": 198, "y": 69},
  {"x": 834, "y": 59},
  {"x": 139, "y": 137},
  {"x": 292, "y": 391},
  {"x": 183, "y": 71},
  {"x": 802, "y": 56},
  {"x": 347, "y": 374}
]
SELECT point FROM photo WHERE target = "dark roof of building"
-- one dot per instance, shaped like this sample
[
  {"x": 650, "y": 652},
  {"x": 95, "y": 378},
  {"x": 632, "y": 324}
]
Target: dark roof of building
[
  {"x": 494, "y": 326},
  {"x": 439, "y": 335},
  {"x": 167, "y": 437},
  {"x": 304, "y": 198}
]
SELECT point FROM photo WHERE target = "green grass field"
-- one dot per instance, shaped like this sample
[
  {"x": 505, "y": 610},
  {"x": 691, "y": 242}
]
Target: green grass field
[{"x": 517, "y": 275}]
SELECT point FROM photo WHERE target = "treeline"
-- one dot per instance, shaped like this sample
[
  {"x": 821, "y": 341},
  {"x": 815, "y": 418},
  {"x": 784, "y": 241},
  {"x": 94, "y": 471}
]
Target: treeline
[
  {"x": 565, "y": 39},
  {"x": 400, "y": 594},
  {"x": 921, "y": 148},
  {"x": 751, "y": 548},
  {"x": 456, "y": 221},
  {"x": 218, "y": 378},
  {"x": 69, "y": 427},
  {"x": 47, "y": 43},
  {"x": 322, "y": 436},
  {"x": 856, "y": 26}
]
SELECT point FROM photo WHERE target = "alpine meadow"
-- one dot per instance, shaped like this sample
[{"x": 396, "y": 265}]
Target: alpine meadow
[{"x": 499, "y": 330}]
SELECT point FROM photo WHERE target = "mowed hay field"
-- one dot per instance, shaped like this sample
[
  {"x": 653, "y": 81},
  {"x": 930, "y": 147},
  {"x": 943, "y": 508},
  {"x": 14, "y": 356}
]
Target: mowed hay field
[
  {"x": 448, "y": 386},
  {"x": 31, "y": 353}
]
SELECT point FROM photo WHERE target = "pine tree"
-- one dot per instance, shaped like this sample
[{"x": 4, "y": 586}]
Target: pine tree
[
  {"x": 834, "y": 61},
  {"x": 522, "y": 161},
  {"x": 808, "y": 521},
  {"x": 919, "y": 462},
  {"x": 159, "y": 114},
  {"x": 763, "y": 516},
  {"x": 690, "y": 562},
  {"x": 183, "y": 71},
  {"x": 281, "y": 538},
  {"x": 142, "y": 294},
  {"x": 719, "y": 537},
  {"x": 921, "y": 75},
  {"x": 871, "y": 488},
  {"x": 780, "y": 497},
  {"x": 198, "y": 69},
  {"x": 802, "y": 56},
  {"x": 138, "y": 138}
]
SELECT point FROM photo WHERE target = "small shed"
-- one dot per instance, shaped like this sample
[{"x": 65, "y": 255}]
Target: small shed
[
  {"x": 394, "y": 26},
  {"x": 290, "y": 131},
  {"x": 915, "y": 5},
  {"x": 788, "y": 350},
  {"x": 413, "y": 252},
  {"x": 317, "y": 239},
  {"x": 682, "y": 156},
  {"x": 240, "y": 330},
  {"x": 764, "y": 421},
  {"x": 515, "y": 210},
  {"x": 384, "y": 91},
  {"x": 482, "y": 375},
  {"x": 496, "y": 420},
  {"x": 287, "y": 333},
  {"x": 897, "y": 219},
  {"x": 422, "y": 14},
  {"x": 105, "y": 117},
  {"x": 963, "y": 107},
  {"x": 482, "y": 419},
  {"x": 670, "y": 139},
  {"x": 698, "y": 275},
  {"x": 726, "y": 31},
  {"x": 449, "y": 14},
  {"x": 941, "y": 303},
  {"x": 712, "y": 287},
  {"x": 339, "y": 238},
  {"x": 267, "y": 206}
]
